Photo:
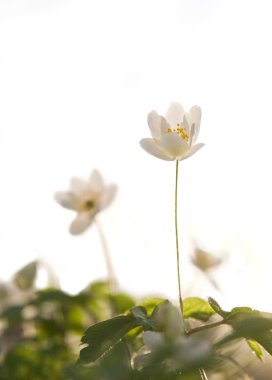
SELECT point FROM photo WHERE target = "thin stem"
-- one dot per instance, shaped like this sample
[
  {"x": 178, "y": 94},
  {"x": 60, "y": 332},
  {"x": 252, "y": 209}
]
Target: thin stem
[
  {"x": 205, "y": 327},
  {"x": 112, "y": 282},
  {"x": 203, "y": 374},
  {"x": 177, "y": 240}
]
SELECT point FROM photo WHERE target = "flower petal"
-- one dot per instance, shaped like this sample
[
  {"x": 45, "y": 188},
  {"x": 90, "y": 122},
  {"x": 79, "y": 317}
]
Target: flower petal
[
  {"x": 174, "y": 145},
  {"x": 175, "y": 114},
  {"x": 195, "y": 113},
  {"x": 96, "y": 182},
  {"x": 78, "y": 186},
  {"x": 152, "y": 147},
  {"x": 157, "y": 125},
  {"x": 66, "y": 199},
  {"x": 154, "y": 122},
  {"x": 107, "y": 196},
  {"x": 192, "y": 151},
  {"x": 153, "y": 340},
  {"x": 82, "y": 221},
  {"x": 186, "y": 124}
]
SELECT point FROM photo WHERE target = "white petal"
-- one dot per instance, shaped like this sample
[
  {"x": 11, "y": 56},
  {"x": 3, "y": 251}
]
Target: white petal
[
  {"x": 142, "y": 360},
  {"x": 65, "y": 199},
  {"x": 153, "y": 340},
  {"x": 175, "y": 114},
  {"x": 107, "y": 196},
  {"x": 154, "y": 122},
  {"x": 192, "y": 151},
  {"x": 151, "y": 147},
  {"x": 82, "y": 221},
  {"x": 96, "y": 181},
  {"x": 195, "y": 113},
  {"x": 174, "y": 145},
  {"x": 78, "y": 186},
  {"x": 157, "y": 125},
  {"x": 186, "y": 124}
]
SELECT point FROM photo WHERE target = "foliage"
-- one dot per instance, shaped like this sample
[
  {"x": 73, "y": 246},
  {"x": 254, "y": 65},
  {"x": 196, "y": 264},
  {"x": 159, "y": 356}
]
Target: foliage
[{"x": 41, "y": 335}]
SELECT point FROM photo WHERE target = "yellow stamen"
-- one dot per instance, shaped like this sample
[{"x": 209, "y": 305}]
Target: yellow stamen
[{"x": 179, "y": 131}]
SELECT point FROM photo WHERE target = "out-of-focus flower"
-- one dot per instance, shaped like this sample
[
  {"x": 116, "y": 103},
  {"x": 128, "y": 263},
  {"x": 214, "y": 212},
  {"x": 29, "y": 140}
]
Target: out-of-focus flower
[
  {"x": 181, "y": 354},
  {"x": 173, "y": 136},
  {"x": 168, "y": 320},
  {"x": 204, "y": 260},
  {"x": 87, "y": 198}
]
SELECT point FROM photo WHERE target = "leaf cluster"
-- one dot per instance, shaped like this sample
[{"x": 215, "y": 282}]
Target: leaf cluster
[{"x": 50, "y": 334}]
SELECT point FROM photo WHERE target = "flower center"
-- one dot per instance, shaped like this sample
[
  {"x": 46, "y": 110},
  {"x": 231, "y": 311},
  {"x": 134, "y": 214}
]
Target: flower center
[
  {"x": 89, "y": 204},
  {"x": 179, "y": 130}
]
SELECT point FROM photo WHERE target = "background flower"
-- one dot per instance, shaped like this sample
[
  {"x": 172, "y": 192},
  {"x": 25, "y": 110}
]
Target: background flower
[
  {"x": 204, "y": 260},
  {"x": 87, "y": 198}
]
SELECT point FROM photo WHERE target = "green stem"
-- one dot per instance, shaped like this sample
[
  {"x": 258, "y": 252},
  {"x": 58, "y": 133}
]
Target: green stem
[
  {"x": 112, "y": 282},
  {"x": 177, "y": 240},
  {"x": 203, "y": 374},
  {"x": 205, "y": 327}
]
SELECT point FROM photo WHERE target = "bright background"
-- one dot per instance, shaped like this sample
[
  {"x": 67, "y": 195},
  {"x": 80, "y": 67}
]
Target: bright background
[{"x": 77, "y": 79}]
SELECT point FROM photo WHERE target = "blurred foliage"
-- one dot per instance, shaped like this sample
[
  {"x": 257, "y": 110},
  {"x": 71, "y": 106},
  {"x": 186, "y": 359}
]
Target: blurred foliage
[
  {"x": 50, "y": 334},
  {"x": 40, "y": 330}
]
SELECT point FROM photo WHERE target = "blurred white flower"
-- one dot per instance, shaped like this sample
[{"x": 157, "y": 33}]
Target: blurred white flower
[
  {"x": 168, "y": 320},
  {"x": 87, "y": 198},
  {"x": 173, "y": 136},
  {"x": 204, "y": 260},
  {"x": 179, "y": 354}
]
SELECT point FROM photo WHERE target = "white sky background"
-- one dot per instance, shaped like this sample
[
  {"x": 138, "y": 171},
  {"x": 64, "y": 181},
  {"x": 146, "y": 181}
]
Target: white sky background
[{"x": 77, "y": 79}]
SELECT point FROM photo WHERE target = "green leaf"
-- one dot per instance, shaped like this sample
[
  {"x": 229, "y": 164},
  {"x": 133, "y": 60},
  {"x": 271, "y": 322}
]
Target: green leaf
[
  {"x": 104, "y": 335},
  {"x": 217, "y": 308},
  {"x": 52, "y": 295},
  {"x": 256, "y": 349},
  {"x": 247, "y": 323},
  {"x": 237, "y": 310},
  {"x": 195, "y": 307},
  {"x": 251, "y": 325},
  {"x": 13, "y": 313},
  {"x": 121, "y": 302},
  {"x": 150, "y": 304},
  {"x": 265, "y": 340},
  {"x": 99, "y": 288},
  {"x": 140, "y": 314},
  {"x": 116, "y": 364},
  {"x": 25, "y": 277}
]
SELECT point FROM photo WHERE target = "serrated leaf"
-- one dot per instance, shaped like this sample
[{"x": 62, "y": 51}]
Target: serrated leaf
[
  {"x": 104, "y": 335},
  {"x": 243, "y": 309},
  {"x": 150, "y": 304},
  {"x": 195, "y": 307},
  {"x": 256, "y": 349},
  {"x": 247, "y": 323},
  {"x": 217, "y": 308},
  {"x": 110, "y": 370},
  {"x": 265, "y": 340},
  {"x": 140, "y": 314},
  {"x": 13, "y": 313},
  {"x": 24, "y": 279},
  {"x": 52, "y": 295},
  {"x": 251, "y": 325},
  {"x": 122, "y": 302}
]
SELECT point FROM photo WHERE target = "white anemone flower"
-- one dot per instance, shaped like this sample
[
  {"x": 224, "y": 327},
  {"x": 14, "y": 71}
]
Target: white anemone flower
[
  {"x": 186, "y": 352},
  {"x": 173, "y": 136},
  {"x": 204, "y": 260},
  {"x": 87, "y": 198}
]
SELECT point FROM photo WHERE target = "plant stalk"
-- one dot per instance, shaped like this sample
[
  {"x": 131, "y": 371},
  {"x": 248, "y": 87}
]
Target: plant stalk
[
  {"x": 177, "y": 238},
  {"x": 112, "y": 282},
  {"x": 203, "y": 374}
]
